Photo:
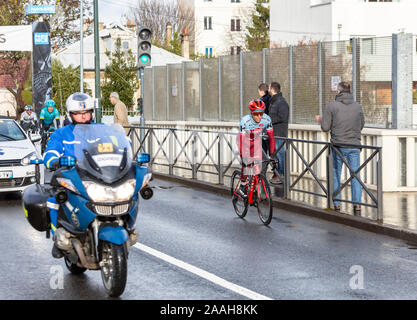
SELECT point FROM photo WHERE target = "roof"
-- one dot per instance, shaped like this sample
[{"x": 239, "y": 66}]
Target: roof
[
  {"x": 71, "y": 55},
  {"x": 6, "y": 81}
]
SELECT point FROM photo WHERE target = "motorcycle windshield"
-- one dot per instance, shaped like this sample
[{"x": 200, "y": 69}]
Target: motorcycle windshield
[{"x": 102, "y": 150}]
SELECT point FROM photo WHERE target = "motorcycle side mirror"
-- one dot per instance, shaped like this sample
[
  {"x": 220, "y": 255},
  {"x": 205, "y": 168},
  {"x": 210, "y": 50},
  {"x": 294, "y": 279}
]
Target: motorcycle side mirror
[
  {"x": 67, "y": 161},
  {"x": 143, "y": 158}
]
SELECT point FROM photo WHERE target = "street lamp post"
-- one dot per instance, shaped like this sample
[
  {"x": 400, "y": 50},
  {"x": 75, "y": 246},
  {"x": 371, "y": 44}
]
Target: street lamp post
[{"x": 97, "y": 61}]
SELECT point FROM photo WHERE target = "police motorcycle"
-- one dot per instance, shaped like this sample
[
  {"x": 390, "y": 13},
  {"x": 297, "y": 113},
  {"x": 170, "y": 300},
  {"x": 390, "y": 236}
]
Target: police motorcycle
[{"x": 98, "y": 192}]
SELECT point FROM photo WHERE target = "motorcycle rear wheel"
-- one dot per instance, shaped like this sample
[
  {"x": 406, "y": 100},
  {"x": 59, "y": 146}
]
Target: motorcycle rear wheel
[{"x": 114, "y": 268}]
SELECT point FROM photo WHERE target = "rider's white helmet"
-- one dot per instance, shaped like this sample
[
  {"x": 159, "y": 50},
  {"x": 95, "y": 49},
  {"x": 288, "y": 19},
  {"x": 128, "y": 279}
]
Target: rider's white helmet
[{"x": 79, "y": 102}]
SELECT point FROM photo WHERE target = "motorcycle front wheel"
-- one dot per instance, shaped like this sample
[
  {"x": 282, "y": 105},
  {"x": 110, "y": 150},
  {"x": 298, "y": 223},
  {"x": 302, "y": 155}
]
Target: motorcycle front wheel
[{"x": 113, "y": 268}]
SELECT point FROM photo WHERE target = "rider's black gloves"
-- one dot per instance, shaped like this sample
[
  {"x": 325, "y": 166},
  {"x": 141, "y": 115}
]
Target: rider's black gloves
[{"x": 54, "y": 165}]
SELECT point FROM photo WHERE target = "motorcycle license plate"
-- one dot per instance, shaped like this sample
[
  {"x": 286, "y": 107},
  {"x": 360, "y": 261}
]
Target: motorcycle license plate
[{"x": 6, "y": 174}]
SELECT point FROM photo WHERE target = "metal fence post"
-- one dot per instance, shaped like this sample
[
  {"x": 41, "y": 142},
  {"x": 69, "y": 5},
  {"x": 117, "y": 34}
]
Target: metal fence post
[
  {"x": 200, "y": 87},
  {"x": 219, "y": 71},
  {"x": 183, "y": 89},
  {"x": 380, "y": 204},
  {"x": 264, "y": 65},
  {"x": 193, "y": 156},
  {"x": 220, "y": 158},
  {"x": 150, "y": 144},
  {"x": 241, "y": 82},
  {"x": 320, "y": 78},
  {"x": 329, "y": 175},
  {"x": 287, "y": 169},
  {"x": 171, "y": 151},
  {"x": 291, "y": 67},
  {"x": 153, "y": 94},
  {"x": 167, "y": 98}
]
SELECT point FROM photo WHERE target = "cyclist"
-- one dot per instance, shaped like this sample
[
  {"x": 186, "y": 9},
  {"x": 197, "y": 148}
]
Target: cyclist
[
  {"x": 255, "y": 123},
  {"x": 28, "y": 119},
  {"x": 49, "y": 115}
]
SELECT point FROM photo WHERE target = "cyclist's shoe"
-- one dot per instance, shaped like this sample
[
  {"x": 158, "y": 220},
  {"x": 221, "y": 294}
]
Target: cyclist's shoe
[{"x": 275, "y": 179}]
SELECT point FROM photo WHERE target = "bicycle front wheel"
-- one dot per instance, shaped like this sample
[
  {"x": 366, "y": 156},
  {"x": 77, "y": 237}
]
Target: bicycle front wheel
[
  {"x": 264, "y": 200},
  {"x": 239, "y": 204}
]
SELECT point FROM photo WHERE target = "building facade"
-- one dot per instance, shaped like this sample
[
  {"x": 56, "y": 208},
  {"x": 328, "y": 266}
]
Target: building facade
[
  {"x": 220, "y": 25},
  {"x": 333, "y": 20}
]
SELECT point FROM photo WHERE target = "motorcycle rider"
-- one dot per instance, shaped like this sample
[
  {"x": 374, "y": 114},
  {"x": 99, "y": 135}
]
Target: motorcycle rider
[
  {"x": 28, "y": 119},
  {"x": 80, "y": 110}
]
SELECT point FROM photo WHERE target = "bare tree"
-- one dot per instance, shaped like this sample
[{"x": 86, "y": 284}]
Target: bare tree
[{"x": 155, "y": 14}]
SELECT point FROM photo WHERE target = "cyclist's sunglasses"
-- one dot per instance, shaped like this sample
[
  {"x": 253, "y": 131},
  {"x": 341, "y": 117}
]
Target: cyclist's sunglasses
[{"x": 257, "y": 114}]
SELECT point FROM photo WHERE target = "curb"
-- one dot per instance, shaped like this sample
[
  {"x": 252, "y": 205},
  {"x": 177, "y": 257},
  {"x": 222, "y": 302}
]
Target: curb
[{"x": 300, "y": 208}]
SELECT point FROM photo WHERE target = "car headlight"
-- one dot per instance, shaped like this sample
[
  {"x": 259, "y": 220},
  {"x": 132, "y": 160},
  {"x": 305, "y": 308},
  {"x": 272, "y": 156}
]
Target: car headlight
[
  {"x": 100, "y": 193},
  {"x": 30, "y": 156},
  {"x": 146, "y": 179}
]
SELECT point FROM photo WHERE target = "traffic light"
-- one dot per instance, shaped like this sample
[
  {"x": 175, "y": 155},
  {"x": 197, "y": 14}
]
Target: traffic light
[{"x": 144, "y": 46}]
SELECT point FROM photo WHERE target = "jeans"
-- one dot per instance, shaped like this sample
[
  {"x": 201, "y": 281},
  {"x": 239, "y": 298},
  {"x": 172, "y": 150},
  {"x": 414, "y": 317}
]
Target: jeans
[
  {"x": 280, "y": 155},
  {"x": 352, "y": 157}
]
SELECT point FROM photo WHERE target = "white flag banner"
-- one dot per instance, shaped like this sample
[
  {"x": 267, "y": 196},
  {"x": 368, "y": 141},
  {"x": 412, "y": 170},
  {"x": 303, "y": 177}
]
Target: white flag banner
[{"x": 16, "y": 38}]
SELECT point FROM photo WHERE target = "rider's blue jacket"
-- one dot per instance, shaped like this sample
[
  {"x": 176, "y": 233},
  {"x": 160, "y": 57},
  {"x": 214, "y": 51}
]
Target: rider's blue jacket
[{"x": 60, "y": 144}]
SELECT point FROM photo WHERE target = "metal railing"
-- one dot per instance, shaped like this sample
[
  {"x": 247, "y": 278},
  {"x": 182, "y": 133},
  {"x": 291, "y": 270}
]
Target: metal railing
[{"x": 216, "y": 154}]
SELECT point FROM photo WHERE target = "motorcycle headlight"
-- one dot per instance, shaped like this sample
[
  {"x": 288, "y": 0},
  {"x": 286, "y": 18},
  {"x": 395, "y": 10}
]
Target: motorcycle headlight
[
  {"x": 31, "y": 156},
  {"x": 146, "y": 179},
  {"x": 100, "y": 193}
]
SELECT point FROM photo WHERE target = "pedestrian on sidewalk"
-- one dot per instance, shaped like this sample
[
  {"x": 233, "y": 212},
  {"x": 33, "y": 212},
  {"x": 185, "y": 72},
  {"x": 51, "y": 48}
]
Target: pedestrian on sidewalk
[
  {"x": 345, "y": 120},
  {"x": 120, "y": 111},
  {"x": 279, "y": 112}
]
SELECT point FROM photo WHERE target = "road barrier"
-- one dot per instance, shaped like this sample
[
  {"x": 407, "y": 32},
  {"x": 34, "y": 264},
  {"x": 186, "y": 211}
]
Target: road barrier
[{"x": 214, "y": 155}]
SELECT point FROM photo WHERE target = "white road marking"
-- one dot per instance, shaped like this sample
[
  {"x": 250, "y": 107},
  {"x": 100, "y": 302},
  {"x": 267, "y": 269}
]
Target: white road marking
[{"x": 202, "y": 273}]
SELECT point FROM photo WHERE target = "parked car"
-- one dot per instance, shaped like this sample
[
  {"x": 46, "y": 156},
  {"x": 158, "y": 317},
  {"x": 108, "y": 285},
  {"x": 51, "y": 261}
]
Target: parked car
[{"x": 16, "y": 151}]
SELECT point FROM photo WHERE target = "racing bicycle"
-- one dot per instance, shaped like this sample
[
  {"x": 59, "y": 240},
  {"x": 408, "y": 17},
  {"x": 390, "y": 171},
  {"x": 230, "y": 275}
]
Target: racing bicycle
[{"x": 257, "y": 190}]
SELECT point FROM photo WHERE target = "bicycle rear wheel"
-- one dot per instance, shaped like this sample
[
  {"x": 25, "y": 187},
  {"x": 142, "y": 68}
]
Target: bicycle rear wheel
[
  {"x": 263, "y": 200},
  {"x": 239, "y": 204}
]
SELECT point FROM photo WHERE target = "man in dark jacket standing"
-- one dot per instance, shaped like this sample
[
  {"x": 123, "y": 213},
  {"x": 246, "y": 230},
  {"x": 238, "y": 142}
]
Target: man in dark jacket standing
[
  {"x": 345, "y": 119},
  {"x": 265, "y": 97},
  {"x": 279, "y": 112}
]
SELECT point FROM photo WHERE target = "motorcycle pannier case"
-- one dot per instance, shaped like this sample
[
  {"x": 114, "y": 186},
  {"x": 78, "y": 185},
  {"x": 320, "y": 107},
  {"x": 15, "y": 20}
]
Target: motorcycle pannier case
[{"x": 34, "y": 206}]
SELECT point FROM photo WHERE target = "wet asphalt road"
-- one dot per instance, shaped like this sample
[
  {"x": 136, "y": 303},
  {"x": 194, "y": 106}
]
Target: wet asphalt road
[{"x": 297, "y": 257}]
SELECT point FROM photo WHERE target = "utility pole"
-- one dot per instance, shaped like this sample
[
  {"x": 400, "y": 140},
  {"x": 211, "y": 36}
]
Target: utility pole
[
  {"x": 81, "y": 46},
  {"x": 97, "y": 61}
]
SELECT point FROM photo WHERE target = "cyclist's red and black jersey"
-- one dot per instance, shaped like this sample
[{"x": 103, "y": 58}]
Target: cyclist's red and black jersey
[{"x": 249, "y": 126}]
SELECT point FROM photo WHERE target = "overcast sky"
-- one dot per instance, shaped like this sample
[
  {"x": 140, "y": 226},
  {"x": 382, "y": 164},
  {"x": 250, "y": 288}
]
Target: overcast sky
[{"x": 112, "y": 10}]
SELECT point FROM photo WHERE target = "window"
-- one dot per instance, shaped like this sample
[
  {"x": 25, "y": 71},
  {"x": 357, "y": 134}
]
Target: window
[
  {"x": 207, "y": 23},
  {"x": 234, "y": 0},
  {"x": 209, "y": 52},
  {"x": 235, "y": 50},
  {"x": 125, "y": 45},
  {"x": 235, "y": 24}
]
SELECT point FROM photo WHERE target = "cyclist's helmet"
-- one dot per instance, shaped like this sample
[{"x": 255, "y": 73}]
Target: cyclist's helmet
[
  {"x": 79, "y": 102},
  {"x": 28, "y": 107},
  {"x": 257, "y": 106},
  {"x": 50, "y": 103}
]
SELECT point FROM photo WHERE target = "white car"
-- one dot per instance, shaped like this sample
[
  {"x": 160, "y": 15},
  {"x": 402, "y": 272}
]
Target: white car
[{"x": 16, "y": 151}]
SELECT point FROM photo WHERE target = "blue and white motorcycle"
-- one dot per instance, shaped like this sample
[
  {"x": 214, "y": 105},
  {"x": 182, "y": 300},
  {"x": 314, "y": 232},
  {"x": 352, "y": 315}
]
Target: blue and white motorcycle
[{"x": 97, "y": 195}]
